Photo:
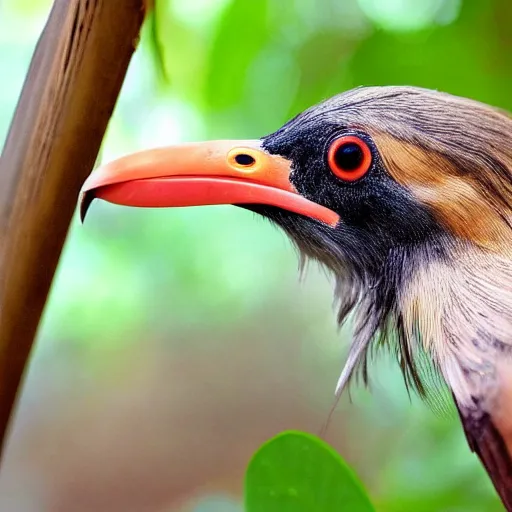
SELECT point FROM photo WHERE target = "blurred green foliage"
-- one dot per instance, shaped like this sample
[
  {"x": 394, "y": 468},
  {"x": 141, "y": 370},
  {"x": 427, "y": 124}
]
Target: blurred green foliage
[
  {"x": 218, "y": 280},
  {"x": 298, "y": 472}
]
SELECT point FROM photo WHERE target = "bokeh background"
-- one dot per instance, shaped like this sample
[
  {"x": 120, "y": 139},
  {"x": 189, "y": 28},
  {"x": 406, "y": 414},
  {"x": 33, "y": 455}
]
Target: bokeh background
[{"x": 176, "y": 341}]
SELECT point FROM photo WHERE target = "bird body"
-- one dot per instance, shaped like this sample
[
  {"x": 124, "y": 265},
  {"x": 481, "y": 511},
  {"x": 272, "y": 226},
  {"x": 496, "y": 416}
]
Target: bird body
[{"x": 405, "y": 195}]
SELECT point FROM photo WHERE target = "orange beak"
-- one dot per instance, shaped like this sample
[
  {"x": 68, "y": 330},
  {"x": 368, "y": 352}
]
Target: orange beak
[{"x": 206, "y": 173}]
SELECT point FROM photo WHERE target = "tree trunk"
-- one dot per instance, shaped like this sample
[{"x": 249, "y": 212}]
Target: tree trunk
[{"x": 69, "y": 93}]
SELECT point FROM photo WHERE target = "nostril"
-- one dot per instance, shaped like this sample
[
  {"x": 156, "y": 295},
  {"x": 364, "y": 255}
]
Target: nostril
[{"x": 244, "y": 159}]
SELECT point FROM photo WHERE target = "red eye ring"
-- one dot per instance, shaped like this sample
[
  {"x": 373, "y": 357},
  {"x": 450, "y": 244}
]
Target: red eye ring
[{"x": 349, "y": 158}]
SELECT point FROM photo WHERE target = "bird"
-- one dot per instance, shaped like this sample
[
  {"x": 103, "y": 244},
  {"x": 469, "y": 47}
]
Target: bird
[{"x": 405, "y": 195}]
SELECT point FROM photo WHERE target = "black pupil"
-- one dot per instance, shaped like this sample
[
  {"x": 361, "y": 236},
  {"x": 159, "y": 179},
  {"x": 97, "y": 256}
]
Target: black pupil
[
  {"x": 244, "y": 159},
  {"x": 349, "y": 156}
]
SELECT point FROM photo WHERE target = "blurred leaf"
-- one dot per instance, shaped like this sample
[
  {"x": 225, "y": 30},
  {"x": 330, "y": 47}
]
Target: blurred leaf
[
  {"x": 156, "y": 48},
  {"x": 296, "y": 472},
  {"x": 28, "y": 8},
  {"x": 179, "y": 44},
  {"x": 323, "y": 59},
  {"x": 242, "y": 33}
]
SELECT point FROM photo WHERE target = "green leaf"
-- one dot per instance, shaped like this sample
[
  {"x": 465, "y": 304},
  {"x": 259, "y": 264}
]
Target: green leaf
[
  {"x": 242, "y": 33},
  {"x": 156, "y": 47},
  {"x": 295, "y": 472}
]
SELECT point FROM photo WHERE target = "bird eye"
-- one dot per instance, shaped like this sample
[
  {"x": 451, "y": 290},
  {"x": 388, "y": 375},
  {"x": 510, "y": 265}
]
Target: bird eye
[{"x": 349, "y": 158}]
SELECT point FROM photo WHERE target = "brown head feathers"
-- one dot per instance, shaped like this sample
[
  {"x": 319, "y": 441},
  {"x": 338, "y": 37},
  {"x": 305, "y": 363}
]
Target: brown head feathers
[{"x": 452, "y": 153}]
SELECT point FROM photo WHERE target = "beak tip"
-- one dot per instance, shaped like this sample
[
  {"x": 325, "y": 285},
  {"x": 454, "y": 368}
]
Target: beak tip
[{"x": 86, "y": 200}]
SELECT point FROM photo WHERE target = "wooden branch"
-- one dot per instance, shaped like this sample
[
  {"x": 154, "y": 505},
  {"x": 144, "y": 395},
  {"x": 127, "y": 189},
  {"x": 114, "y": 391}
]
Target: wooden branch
[{"x": 69, "y": 93}]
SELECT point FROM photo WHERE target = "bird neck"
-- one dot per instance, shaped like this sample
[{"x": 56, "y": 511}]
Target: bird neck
[{"x": 461, "y": 308}]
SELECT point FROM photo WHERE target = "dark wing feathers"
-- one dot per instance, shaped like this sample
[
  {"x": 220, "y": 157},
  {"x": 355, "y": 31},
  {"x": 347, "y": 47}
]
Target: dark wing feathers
[{"x": 485, "y": 440}]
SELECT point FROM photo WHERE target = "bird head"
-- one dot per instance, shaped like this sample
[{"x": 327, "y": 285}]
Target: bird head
[{"x": 404, "y": 194}]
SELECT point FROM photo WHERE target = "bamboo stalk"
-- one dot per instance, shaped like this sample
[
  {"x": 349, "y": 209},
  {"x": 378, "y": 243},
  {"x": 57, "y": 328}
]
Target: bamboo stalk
[{"x": 68, "y": 96}]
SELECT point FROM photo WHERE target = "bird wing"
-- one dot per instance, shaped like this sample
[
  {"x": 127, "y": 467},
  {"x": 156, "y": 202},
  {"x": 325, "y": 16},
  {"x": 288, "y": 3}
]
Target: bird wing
[{"x": 485, "y": 440}]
